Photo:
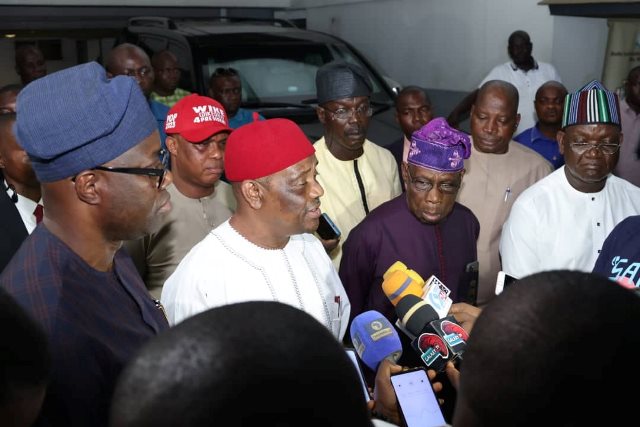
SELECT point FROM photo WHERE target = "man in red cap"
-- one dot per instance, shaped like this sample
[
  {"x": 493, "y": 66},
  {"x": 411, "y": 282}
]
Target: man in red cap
[
  {"x": 197, "y": 131},
  {"x": 264, "y": 251}
]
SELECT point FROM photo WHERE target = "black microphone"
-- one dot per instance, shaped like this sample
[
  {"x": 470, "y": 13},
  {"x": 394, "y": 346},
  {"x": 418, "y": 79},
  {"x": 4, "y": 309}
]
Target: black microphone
[{"x": 436, "y": 340}]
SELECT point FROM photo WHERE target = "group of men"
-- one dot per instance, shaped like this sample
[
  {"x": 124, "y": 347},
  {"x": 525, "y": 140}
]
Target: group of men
[{"x": 446, "y": 204}]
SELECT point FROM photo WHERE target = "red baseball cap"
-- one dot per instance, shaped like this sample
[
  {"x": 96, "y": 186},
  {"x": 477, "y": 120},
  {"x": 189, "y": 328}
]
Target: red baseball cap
[{"x": 196, "y": 118}]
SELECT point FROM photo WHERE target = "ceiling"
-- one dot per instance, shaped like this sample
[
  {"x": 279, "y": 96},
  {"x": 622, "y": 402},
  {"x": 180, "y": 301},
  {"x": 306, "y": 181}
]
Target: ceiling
[{"x": 594, "y": 8}]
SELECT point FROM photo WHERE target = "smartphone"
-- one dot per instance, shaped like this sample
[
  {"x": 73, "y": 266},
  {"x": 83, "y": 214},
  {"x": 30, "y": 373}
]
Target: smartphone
[
  {"x": 504, "y": 281},
  {"x": 327, "y": 230},
  {"x": 351, "y": 352},
  {"x": 417, "y": 401}
]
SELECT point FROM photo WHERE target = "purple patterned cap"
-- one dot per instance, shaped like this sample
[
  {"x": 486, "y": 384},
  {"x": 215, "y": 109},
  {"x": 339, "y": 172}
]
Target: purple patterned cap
[{"x": 438, "y": 146}]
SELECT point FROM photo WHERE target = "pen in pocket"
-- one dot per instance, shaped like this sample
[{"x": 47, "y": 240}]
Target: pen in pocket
[{"x": 507, "y": 193}]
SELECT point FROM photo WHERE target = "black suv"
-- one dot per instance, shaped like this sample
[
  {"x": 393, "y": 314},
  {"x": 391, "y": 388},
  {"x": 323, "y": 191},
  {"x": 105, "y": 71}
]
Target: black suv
[{"x": 277, "y": 63}]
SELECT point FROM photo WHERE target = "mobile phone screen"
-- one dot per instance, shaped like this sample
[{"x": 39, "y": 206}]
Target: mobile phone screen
[
  {"x": 418, "y": 402},
  {"x": 354, "y": 358}
]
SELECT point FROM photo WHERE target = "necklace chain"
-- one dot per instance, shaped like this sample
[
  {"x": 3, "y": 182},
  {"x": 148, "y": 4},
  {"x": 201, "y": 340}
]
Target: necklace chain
[{"x": 291, "y": 276}]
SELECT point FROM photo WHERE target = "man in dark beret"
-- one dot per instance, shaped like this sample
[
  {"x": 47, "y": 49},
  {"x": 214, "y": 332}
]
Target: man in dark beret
[
  {"x": 357, "y": 174},
  {"x": 94, "y": 146}
]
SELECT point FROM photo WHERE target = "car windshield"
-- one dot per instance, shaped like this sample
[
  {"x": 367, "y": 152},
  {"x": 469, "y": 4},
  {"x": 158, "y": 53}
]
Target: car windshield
[{"x": 282, "y": 74}]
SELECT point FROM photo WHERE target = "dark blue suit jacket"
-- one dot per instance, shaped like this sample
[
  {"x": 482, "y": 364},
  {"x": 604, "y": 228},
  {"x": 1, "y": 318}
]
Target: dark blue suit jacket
[
  {"x": 396, "y": 149},
  {"x": 12, "y": 228}
]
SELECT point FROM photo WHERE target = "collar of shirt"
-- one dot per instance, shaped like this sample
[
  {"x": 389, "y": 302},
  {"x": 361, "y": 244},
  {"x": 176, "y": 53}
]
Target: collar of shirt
[
  {"x": 514, "y": 67},
  {"x": 536, "y": 135},
  {"x": 25, "y": 207},
  {"x": 627, "y": 110},
  {"x": 405, "y": 149}
]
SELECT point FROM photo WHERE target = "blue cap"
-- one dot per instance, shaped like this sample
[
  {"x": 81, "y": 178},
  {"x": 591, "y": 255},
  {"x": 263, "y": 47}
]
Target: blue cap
[{"x": 77, "y": 119}]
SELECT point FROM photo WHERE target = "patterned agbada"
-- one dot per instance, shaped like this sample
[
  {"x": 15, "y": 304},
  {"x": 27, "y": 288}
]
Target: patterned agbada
[{"x": 95, "y": 322}]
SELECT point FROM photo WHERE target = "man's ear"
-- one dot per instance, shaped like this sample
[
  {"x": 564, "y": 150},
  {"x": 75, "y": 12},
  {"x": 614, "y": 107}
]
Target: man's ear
[
  {"x": 172, "y": 145},
  {"x": 2, "y": 162},
  {"x": 405, "y": 174},
  {"x": 253, "y": 193},
  {"x": 560, "y": 138},
  {"x": 517, "y": 122},
  {"x": 88, "y": 188},
  {"x": 321, "y": 113}
]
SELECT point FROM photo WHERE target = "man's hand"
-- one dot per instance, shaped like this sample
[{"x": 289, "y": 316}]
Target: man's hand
[
  {"x": 329, "y": 245},
  {"x": 453, "y": 374},
  {"x": 384, "y": 400},
  {"x": 465, "y": 314}
]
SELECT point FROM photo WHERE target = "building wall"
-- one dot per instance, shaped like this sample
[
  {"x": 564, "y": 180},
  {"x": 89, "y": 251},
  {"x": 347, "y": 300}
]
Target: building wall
[
  {"x": 451, "y": 45},
  {"x": 444, "y": 45}
]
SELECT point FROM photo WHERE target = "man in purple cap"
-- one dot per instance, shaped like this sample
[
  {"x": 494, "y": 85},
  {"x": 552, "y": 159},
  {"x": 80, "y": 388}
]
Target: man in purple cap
[{"x": 425, "y": 228}]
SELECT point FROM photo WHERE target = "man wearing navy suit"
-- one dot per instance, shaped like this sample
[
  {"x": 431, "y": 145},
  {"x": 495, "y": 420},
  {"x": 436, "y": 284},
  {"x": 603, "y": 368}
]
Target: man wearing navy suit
[{"x": 19, "y": 192}]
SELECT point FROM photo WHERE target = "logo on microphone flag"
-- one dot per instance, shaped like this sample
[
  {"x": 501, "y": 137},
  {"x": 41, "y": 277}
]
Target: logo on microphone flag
[{"x": 432, "y": 348}]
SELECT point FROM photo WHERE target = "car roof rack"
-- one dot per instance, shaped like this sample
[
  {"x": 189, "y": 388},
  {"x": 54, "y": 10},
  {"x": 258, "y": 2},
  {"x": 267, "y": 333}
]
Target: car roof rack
[
  {"x": 168, "y": 23},
  {"x": 152, "y": 21}
]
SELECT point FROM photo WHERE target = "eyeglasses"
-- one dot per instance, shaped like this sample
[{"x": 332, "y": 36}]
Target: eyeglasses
[
  {"x": 160, "y": 173},
  {"x": 140, "y": 72},
  {"x": 583, "y": 147},
  {"x": 422, "y": 185},
  {"x": 364, "y": 110}
]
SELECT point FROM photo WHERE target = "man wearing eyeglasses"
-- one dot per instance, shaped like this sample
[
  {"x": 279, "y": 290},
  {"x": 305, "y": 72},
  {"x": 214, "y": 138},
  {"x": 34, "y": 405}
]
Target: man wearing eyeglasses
[
  {"x": 357, "y": 175},
  {"x": 94, "y": 146},
  {"x": 197, "y": 132},
  {"x": 127, "y": 59},
  {"x": 425, "y": 227},
  {"x": 562, "y": 221},
  {"x": 167, "y": 76}
]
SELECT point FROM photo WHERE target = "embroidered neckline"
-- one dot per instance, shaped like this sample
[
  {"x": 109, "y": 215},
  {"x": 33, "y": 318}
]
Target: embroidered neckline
[{"x": 254, "y": 244}]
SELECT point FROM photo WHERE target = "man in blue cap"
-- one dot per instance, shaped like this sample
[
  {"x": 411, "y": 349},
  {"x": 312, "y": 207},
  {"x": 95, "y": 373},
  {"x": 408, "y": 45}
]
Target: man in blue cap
[
  {"x": 94, "y": 146},
  {"x": 562, "y": 221}
]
